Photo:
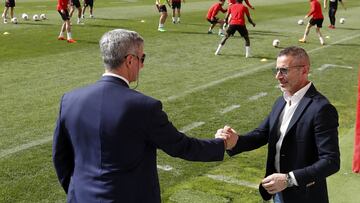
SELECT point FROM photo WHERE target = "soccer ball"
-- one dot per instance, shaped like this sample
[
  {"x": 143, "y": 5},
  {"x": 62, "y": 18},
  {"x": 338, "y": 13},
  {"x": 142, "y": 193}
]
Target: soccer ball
[
  {"x": 14, "y": 20},
  {"x": 276, "y": 43},
  {"x": 35, "y": 17},
  {"x": 342, "y": 20},
  {"x": 43, "y": 17},
  {"x": 300, "y": 22},
  {"x": 25, "y": 16}
]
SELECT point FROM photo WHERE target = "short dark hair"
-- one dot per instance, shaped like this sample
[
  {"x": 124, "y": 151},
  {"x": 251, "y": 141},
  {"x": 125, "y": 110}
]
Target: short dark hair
[{"x": 297, "y": 53}]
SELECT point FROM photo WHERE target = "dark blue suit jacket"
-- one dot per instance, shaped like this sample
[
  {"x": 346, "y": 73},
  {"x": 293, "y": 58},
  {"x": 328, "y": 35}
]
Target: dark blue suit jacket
[
  {"x": 105, "y": 142},
  {"x": 310, "y": 148}
]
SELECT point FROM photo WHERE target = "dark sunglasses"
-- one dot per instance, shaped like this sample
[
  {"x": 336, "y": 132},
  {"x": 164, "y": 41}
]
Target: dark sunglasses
[
  {"x": 142, "y": 59},
  {"x": 284, "y": 70}
]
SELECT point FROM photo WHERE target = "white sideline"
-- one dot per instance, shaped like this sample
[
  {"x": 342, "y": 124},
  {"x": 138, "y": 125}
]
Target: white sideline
[
  {"x": 258, "y": 96},
  {"x": 233, "y": 181},
  {"x": 248, "y": 71},
  {"x": 230, "y": 108},
  {"x": 165, "y": 167},
  {"x": 191, "y": 126},
  {"x": 6, "y": 152}
]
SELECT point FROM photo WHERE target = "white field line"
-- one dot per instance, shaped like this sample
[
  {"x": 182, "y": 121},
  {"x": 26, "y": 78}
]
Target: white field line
[
  {"x": 191, "y": 126},
  {"x": 230, "y": 108},
  {"x": 248, "y": 71},
  {"x": 258, "y": 96},
  {"x": 7, "y": 152},
  {"x": 233, "y": 181},
  {"x": 165, "y": 167},
  {"x": 326, "y": 66}
]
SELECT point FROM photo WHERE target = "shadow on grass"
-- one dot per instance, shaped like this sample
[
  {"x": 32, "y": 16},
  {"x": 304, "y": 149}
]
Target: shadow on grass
[
  {"x": 267, "y": 33},
  {"x": 347, "y": 28}
]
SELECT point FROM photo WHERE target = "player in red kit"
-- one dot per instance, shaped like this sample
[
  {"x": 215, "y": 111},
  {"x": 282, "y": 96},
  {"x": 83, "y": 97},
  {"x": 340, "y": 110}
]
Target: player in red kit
[
  {"x": 317, "y": 19},
  {"x": 211, "y": 16},
  {"x": 236, "y": 19},
  {"x": 246, "y": 1},
  {"x": 62, "y": 8}
]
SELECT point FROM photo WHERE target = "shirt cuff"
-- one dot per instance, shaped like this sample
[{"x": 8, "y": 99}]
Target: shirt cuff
[{"x": 293, "y": 179}]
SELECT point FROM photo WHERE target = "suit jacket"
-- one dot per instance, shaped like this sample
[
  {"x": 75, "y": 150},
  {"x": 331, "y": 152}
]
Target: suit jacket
[
  {"x": 105, "y": 142},
  {"x": 310, "y": 147}
]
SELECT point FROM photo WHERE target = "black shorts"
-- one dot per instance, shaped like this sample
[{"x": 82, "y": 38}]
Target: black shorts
[
  {"x": 213, "y": 21},
  {"x": 317, "y": 22},
  {"x": 89, "y": 3},
  {"x": 161, "y": 8},
  {"x": 65, "y": 16},
  {"x": 75, "y": 3},
  {"x": 176, "y": 5},
  {"x": 240, "y": 28},
  {"x": 10, "y": 3}
]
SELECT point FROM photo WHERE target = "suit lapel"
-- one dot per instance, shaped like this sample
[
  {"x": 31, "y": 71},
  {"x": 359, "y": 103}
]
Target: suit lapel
[{"x": 304, "y": 102}]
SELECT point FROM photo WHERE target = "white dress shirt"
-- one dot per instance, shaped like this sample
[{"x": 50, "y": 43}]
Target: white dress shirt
[
  {"x": 292, "y": 102},
  {"x": 118, "y": 76}
]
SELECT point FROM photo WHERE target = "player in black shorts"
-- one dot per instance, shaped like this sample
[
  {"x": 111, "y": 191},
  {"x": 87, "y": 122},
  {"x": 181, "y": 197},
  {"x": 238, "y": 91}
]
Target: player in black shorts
[
  {"x": 87, "y": 3},
  {"x": 160, "y": 5},
  {"x": 333, "y": 4},
  {"x": 8, "y": 4},
  {"x": 176, "y": 7},
  {"x": 73, "y": 4}
]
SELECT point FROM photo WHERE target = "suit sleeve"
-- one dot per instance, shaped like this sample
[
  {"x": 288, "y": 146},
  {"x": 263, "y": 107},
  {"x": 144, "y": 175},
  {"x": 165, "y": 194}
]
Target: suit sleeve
[
  {"x": 165, "y": 136},
  {"x": 62, "y": 152},
  {"x": 326, "y": 139},
  {"x": 252, "y": 140}
]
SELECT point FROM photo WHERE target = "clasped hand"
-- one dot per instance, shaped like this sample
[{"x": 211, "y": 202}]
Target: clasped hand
[{"x": 228, "y": 135}]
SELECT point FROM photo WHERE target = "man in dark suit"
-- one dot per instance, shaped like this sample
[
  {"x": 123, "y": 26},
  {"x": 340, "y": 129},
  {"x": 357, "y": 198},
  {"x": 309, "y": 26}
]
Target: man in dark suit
[
  {"x": 301, "y": 133},
  {"x": 106, "y": 137}
]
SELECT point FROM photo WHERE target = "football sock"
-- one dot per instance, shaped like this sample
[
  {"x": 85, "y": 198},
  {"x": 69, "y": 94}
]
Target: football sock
[
  {"x": 61, "y": 34},
  {"x": 321, "y": 40},
  {"x": 69, "y": 35},
  {"x": 161, "y": 25},
  {"x": 221, "y": 31},
  {"x": 247, "y": 52},
  {"x": 178, "y": 19},
  {"x": 218, "y": 49}
]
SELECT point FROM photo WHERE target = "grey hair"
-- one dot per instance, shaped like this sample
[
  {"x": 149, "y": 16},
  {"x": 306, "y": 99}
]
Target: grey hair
[
  {"x": 297, "y": 53},
  {"x": 116, "y": 44}
]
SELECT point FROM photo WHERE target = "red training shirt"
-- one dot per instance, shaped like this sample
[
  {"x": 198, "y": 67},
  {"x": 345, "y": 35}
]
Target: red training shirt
[
  {"x": 214, "y": 10},
  {"x": 237, "y": 12},
  {"x": 246, "y": 1},
  {"x": 315, "y": 10},
  {"x": 62, "y": 5}
]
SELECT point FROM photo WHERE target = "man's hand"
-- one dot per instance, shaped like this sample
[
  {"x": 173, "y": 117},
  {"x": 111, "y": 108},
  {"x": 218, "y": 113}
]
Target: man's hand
[
  {"x": 275, "y": 183},
  {"x": 228, "y": 135}
]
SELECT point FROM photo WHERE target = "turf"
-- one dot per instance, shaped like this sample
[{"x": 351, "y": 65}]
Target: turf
[{"x": 182, "y": 71}]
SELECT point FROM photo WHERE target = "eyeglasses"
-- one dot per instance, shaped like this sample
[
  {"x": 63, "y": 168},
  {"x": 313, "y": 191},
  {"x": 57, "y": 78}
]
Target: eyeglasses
[
  {"x": 284, "y": 70},
  {"x": 142, "y": 59}
]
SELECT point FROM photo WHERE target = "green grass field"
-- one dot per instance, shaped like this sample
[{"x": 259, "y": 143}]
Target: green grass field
[{"x": 200, "y": 92}]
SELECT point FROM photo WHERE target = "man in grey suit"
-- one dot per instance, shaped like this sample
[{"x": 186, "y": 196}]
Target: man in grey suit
[
  {"x": 107, "y": 134},
  {"x": 301, "y": 133}
]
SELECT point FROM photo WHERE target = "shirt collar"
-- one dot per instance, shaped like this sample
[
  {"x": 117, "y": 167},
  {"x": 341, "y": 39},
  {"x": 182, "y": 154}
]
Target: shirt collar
[
  {"x": 117, "y": 76},
  {"x": 295, "y": 98}
]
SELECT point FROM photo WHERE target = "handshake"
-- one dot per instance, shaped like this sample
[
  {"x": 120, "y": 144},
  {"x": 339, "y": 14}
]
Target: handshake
[{"x": 229, "y": 136}]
